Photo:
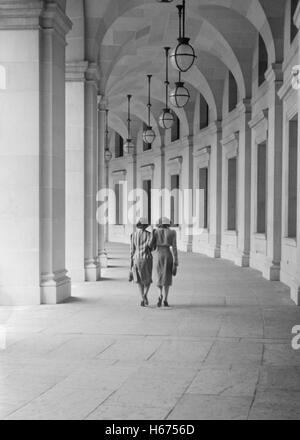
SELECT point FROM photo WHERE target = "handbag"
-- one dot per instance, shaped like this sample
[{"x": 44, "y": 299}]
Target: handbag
[{"x": 174, "y": 270}]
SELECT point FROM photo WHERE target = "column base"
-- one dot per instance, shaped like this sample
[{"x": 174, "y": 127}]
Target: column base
[
  {"x": 184, "y": 245},
  {"x": 292, "y": 280},
  {"x": 206, "y": 248},
  {"x": 92, "y": 271},
  {"x": 295, "y": 295},
  {"x": 103, "y": 260},
  {"x": 243, "y": 260},
  {"x": 215, "y": 252},
  {"x": 55, "y": 287},
  {"x": 77, "y": 274},
  {"x": 271, "y": 271}
]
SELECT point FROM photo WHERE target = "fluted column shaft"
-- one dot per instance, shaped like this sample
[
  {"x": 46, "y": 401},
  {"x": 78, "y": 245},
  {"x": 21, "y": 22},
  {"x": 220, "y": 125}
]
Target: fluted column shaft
[
  {"x": 102, "y": 105},
  {"x": 92, "y": 267},
  {"x": 32, "y": 150}
]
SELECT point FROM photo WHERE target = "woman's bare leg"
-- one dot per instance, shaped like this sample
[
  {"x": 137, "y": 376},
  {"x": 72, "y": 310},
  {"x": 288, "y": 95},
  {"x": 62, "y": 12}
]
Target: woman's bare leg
[
  {"x": 167, "y": 288},
  {"x": 141, "y": 290},
  {"x": 147, "y": 288},
  {"x": 160, "y": 298}
]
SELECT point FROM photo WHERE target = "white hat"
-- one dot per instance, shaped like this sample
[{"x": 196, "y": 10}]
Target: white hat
[
  {"x": 143, "y": 221},
  {"x": 164, "y": 221}
]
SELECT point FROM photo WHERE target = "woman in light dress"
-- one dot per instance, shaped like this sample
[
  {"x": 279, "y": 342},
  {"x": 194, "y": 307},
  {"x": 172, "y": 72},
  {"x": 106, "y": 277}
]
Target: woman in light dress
[
  {"x": 165, "y": 240},
  {"x": 142, "y": 245}
]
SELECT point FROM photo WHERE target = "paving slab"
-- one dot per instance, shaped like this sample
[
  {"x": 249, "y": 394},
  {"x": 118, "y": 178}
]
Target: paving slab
[{"x": 221, "y": 351}]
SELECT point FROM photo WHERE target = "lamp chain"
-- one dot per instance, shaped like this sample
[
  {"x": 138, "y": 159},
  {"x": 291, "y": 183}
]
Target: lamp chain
[
  {"x": 167, "y": 49},
  {"x": 149, "y": 99},
  {"x": 183, "y": 19},
  {"x": 129, "y": 120}
]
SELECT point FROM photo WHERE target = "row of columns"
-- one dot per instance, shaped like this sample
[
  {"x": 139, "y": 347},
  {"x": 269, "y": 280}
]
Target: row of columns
[
  {"x": 51, "y": 159},
  {"x": 86, "y": 172},
  {"x": 254, "y": 122}
]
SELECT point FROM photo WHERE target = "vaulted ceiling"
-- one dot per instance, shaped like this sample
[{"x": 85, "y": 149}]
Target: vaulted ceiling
[{"x": 126, "y": 39}]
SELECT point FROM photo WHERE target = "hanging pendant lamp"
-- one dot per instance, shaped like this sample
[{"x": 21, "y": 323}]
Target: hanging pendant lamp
[
  {"x": 180, "y": 95},
  {"x": 166, "y": 119},
  {"x": 107, "y": 152},
  {"x": 149, "y": 134},
  {"x": 183, "y": 56},
  {"x": 129, "y": 145}
]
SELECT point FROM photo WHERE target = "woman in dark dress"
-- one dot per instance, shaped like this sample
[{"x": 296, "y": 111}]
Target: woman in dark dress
[
  {"x": 141, "y": 258},
  {"x": 166, "y": 245}
]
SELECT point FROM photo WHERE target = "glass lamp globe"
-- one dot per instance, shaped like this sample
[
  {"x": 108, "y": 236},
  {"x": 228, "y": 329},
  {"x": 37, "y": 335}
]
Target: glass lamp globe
[
  {"x": 149, "y": 135},
  {"x": 183, "y": 56},
  {"x": 179, "y": 96},
  {"x": 166, "y": 119},
  {"x": 129, "y": 147},
  {"x": 107, "y": 155}
]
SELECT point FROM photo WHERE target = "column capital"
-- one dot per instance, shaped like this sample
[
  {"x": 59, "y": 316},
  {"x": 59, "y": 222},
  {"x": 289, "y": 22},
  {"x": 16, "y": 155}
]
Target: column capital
[
  {"x": 75, "y": 71},
  {"x": 297, "y": 16},
  {"x": 274, "y": 73},
  {"x": 102, "y": 103},
  {"x": 92, "y": 73},
  {"x": 259, "y": 117},
  {"x": 245, "y": 106},
  {"x": 215, "y": 127},
  {"x": 53, "y": 17}
]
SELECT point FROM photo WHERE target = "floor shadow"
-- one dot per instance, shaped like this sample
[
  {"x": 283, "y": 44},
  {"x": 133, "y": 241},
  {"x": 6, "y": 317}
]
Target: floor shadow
[
  {"x": 75, "y": 299},
  {"x": 198, "y": 306},
  {"x": 116, "y": 267},
  {"x": 188, "y": 306},
  {"x": 112, "y": 279}
]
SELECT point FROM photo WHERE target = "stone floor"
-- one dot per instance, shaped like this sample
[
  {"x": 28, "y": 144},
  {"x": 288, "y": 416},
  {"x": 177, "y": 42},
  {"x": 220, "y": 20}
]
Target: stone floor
[{"x": 222, "y": 351}]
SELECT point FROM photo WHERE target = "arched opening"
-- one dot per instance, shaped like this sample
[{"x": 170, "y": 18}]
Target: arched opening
[
  {"x": 146, "y": 146},
  {"x": 232, "y": 93},
  {"x": 119, "y": 146},
  {"x": 294, "y": 29},
  {"x": 204, "y": 112},
  {"x": 175, "y": 130},
  {"x": 262, "y": 60}
]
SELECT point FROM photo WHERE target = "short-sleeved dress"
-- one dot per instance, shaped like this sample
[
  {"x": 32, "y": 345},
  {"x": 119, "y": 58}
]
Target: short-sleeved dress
[
  {"x": 165, "y": 239},
  {"x": 141, "y": 256}
]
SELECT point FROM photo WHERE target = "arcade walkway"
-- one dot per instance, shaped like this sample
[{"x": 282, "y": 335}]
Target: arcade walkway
[{"x": 223, "y": 351}]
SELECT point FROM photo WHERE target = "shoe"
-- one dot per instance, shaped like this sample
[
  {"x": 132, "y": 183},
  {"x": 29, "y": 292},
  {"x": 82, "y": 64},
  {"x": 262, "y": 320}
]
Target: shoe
[
  {"x": 166, "y": 304},
  {"x": 159, "y": 301},
  {"x": 143, "y": 303},
  {"x": 146, "y": 301}
]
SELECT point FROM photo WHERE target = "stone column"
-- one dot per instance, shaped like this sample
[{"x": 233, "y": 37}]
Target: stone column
[
  {"x": 186, "y": 232},
  {"x": 55, "y": 285},
  {"x": 271, "y": 271},
  {"x": 215, "y": 194},
  {"x": 75, "y": 89},
  {"x": 102, "y": 106},
  {"x": 132, "y": 184},
  {"x": 162, "y": 174},
  {"x": 92, "y": 267},
  {"x": 295, "y": 290},
  {"x": 106, "y": 227},
  {"x": 244, "y": 183},
  {"x": 32, "y": 150}
]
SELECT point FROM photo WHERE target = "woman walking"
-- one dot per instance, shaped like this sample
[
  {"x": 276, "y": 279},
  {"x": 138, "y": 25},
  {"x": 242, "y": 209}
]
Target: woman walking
[
  {"x": 141, "y": 259},
  {"x": 166, "y": 245}
]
